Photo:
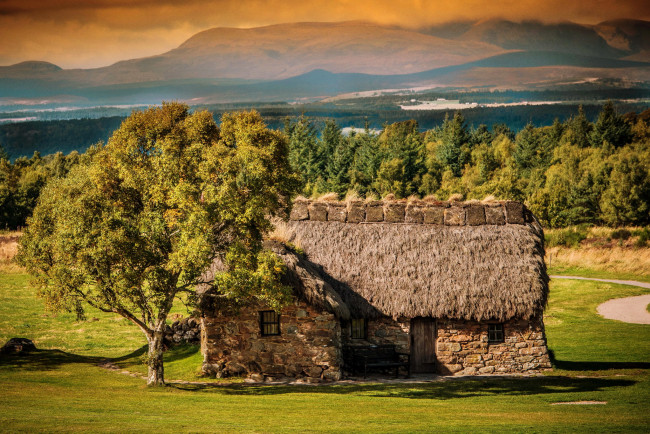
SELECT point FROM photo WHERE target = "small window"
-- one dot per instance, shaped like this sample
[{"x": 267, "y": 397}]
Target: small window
[
  {"x": 495, "y": 333},
  {"x": 269, "y": 323},
  {"x": 358, "y": 328}
]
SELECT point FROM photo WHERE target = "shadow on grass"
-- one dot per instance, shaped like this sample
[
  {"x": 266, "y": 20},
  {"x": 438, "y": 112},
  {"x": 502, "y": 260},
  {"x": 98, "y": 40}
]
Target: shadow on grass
[
  {"x": 570, "y": 365},
  {"x": 439, "y": 390},
  {"x": 446, "y": 388},
  {"x": 598, "y": 366},
  {"x": 43, "y": 360}
]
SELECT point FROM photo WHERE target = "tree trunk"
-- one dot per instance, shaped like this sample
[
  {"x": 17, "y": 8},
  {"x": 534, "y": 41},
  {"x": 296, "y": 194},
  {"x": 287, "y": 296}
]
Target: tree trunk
[{"x": 156, "y": 375}]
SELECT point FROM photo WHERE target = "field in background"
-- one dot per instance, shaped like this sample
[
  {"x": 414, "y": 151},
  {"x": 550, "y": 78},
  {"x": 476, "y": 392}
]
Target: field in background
[
  {"x": 8, "y": 249},
  {"x": 617, "y": 253}
]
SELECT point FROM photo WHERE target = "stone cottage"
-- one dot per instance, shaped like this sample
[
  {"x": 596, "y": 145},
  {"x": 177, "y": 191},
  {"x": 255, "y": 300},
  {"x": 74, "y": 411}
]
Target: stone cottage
[{"x": 459, "y": 286}]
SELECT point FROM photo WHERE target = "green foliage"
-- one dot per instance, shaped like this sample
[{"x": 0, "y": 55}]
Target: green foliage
[
  {"x": 22, "y": 181},
  {"x": 135, "y": 227},
  {"x": 644, "y": 237},
  {"x": 620, "y": 234},
  {"x": 568, "y": 237}
]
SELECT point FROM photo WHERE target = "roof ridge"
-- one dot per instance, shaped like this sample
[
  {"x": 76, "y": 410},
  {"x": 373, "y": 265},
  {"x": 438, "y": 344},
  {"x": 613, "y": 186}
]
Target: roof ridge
[{"x": 448, "y": 213}]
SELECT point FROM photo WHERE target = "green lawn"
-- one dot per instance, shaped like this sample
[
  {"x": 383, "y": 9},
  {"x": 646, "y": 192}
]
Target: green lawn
[{"x": 60, "y": 388}]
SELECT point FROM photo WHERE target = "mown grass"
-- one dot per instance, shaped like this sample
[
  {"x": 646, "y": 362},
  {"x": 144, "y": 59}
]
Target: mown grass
[{"x": 60, "y": 387}]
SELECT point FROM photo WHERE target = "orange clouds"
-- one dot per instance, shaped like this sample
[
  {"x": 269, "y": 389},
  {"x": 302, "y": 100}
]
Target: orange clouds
[{"x": 91, "y": 33}]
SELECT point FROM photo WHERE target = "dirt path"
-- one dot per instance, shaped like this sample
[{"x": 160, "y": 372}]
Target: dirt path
[{"x": 627, "y": 309}]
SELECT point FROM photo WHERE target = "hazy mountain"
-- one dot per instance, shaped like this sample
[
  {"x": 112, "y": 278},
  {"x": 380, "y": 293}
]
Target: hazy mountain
[
  {"x": 287, "y": 50},
  {"x": 630, "y": 36},
  {"x": 536, "y": 36},
  {"x": 298, "y": 60},
  {"x": 33, "y": 69}
]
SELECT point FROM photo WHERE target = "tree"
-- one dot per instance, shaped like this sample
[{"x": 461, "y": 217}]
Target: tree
[
  {"x": 136, "y": 227},
  {"x": 454, "y": 136},
  {"x": 627, "y": 197},
  {"x": 610, "y": 128}
]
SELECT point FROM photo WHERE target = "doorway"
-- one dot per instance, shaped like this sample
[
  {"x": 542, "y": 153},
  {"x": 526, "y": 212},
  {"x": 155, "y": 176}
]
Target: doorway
[{"x": 423, "y": 345}]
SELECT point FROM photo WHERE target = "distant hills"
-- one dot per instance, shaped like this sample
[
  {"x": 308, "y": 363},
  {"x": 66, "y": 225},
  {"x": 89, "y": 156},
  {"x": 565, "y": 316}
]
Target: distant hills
[{"x": 318, "y": 60}]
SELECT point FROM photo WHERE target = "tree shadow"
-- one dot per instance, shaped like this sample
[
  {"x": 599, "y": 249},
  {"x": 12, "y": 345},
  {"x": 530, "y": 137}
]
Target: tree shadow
[
  {"x": 46, "y": 360},
  {"x": 451, "y": 388},
  {"x": 571, "y": 365},
  {"x": 598, "y": 366},
  {"x": 136, "y": 353},
  {"x": 43, "y": 360}
]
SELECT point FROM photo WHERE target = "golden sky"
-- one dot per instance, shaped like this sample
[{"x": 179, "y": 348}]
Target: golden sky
[{"x": 93, "y": 33}]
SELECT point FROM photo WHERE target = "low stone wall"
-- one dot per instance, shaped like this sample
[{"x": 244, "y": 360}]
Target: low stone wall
[
  {"x": 413, "y": 211},
  {"x": 462, "y": 348},
  {"x": 309, "y": 345},
  {"x": 187, "y": 330}
]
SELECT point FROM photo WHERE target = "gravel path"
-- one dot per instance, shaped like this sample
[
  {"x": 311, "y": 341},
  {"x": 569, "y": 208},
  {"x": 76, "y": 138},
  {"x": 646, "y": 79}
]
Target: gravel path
[{"x": 627, "y": 309}]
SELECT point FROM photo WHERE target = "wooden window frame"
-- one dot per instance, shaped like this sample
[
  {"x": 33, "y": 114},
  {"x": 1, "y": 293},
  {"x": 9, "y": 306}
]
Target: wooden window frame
[
  {"x": 494, "y": 330},
  {"x": 266, "y": 323},
  {"x": 363, "y": 329}
]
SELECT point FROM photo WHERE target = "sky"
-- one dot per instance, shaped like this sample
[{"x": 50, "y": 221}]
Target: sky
[{"x": 94, "y": 33}]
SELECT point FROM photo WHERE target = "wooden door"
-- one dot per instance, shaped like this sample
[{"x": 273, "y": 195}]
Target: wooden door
[{"x": 423, "y": 345}]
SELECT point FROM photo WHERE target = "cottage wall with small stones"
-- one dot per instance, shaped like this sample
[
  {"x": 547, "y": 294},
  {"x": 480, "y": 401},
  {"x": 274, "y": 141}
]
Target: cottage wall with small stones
[
  {"x": 462, "y": 348},
  {"x": 309, "y": 344}
]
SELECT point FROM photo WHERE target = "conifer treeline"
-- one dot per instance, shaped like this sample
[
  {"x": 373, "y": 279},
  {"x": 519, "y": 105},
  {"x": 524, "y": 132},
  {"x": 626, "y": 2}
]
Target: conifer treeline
[{"x": 568, "y": 173}]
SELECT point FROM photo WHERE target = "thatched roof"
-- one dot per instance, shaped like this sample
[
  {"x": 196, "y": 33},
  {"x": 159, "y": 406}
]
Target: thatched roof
[
  {"x": 479, "y": 262},
  {"x": 306, "y": 279},
  {"x": 481, "y": 272}
]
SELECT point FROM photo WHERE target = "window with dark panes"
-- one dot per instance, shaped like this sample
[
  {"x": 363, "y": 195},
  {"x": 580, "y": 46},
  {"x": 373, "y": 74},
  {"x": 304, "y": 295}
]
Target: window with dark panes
[
  {"x": 495, "y": 333},
  {"x": 358, "y": 328},
  {"x": 269, "y": 323}
]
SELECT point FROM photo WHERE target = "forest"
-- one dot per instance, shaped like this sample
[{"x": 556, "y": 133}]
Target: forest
[{"x": 571, "y": 172}]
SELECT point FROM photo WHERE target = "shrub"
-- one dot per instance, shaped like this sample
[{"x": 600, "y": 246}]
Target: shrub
[
  {"x": 620, "y": 234},
  {"x": 568, "y": 237},
  {"x": 644, "y": 236}
]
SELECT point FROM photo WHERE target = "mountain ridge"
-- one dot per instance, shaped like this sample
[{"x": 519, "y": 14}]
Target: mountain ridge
[{"x": 228, "y": 62}]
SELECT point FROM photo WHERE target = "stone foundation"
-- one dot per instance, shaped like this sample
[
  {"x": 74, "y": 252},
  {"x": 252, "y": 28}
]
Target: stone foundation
[
  {"x": 462, "y": 348},
  {"x": 309, "y": 345}
]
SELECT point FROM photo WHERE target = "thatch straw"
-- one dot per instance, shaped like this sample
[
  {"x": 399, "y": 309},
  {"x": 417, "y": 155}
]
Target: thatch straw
[
  {"x": 308, "y": 283},
  {"x": 352, "y": 196},
  {"x": 456, "y": 197},
  {"x": 328, "y": 197},
  {"x": 477, "y": 273},
  {"x": 430, "y": 198},
  {"x": 489, "y": 198}
]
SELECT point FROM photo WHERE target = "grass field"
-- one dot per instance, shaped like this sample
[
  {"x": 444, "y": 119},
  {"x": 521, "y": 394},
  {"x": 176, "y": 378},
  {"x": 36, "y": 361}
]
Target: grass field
[{"x": 61, "y": 388}]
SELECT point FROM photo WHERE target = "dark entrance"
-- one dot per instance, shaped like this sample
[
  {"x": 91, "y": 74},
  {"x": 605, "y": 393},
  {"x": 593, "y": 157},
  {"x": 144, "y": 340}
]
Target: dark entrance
[{"x": 423, "y": 345}]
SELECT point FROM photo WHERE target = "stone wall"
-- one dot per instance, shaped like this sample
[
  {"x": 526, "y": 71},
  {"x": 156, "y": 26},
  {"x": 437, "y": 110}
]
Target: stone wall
[
  {"x": 309, "y": 345},
  {"x": 382, "y": 331},
  {"x": 187, "y": 329},
  {"x": 471, "y": 213},
  {"x": 462, "y": 348}
]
